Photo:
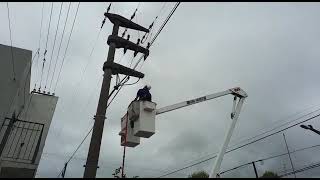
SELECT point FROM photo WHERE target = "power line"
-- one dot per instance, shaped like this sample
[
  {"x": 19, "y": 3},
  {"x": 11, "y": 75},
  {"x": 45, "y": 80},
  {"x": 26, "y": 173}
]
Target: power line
[
  {"x": 166, "y": 21},
  {"x": 244, "y": 144},
  {"x": 54, "y": 43},
  {"x": 302, "y": 169},
  {"x": 251, "y": 142},
  {"x": 89, "y": 99},
  {"x": 36, "y": 69},
  {"x": 49, "y": 26},
  {"x": 76, "y": 149},
  {"x": 263, "y": 132},
  {"x": 146, "y": 35},
  {"x": 63, "y": 31},
  {"x": 74, "y": 20},
  {"x": 274, "y": 133},
  {"x": 131, "y": 18},
  {"x": 41, "y": 25},
  {"x": 72, "y": 157},
  {"x": 11, "y": 49},
  {"x": 112, "y": 164},
  {"x": 279, "y": 126},
  {"x": 159, "y": 31},
  {"x": 271, "y": 157},
  {"x": 40, "y": 33},
  {"x": 138, "y": 32},
  {"x": 188, "y": 166},
  {"x": 45, "y": 52},
  {"x": 75, "y": 87}
]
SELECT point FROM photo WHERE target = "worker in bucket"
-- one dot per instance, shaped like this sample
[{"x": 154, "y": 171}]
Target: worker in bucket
[{"x": 144, "y": 94}]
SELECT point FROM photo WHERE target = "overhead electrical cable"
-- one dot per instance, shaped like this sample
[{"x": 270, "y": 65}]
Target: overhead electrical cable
[
  {"x": 64, "y": 56},
  {"x": 246, "y": 140},
  {"x": 147, "y": 35},
  {"x": 75, "y": 151},
  {"x": 313, "y": 165},
  {"x": 40, "y": 33},
  {"x": 271, "y": 157},
  {"x": 63, "y": 31},
  {"x": 245, "y": 144},
  {"x": 54, "y": 43},
  {"x": 76, "y": 85},
  {"x": 11, "y": 48},
  {"x": 45, "y": 52},
  {"x": 131, "y": 18}
]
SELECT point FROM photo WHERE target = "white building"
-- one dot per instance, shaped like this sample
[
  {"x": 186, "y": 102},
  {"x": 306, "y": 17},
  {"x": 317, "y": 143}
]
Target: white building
[{"x": 21, "y": 138}]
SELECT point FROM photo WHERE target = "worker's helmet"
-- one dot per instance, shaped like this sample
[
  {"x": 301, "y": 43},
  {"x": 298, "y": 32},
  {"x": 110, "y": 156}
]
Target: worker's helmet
[{"x": 148, "y": 86}]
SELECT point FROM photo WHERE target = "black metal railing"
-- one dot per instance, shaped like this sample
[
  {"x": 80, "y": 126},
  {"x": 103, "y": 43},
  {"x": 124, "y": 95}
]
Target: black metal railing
[{"x": 20, "y": 140}]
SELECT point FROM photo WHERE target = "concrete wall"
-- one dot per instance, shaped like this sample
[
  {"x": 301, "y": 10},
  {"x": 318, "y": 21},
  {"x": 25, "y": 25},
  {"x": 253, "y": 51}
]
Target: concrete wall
[
  {"x": 24, "y": 145},
  {"x": 41, "y": 110},
  {"x": 9, "y": 87}
]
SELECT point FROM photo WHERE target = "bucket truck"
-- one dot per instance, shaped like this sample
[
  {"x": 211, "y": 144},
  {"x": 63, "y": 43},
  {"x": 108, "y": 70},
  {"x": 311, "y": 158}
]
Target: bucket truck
[{"x": 141, "y": 115}]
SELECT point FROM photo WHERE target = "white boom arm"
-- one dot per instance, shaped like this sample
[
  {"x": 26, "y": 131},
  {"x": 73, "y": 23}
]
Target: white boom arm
[{"x": 237, "y": 92}]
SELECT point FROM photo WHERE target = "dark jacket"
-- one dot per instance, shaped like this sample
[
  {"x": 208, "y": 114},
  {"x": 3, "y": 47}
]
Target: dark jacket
[{"x": 143, "y": 94}]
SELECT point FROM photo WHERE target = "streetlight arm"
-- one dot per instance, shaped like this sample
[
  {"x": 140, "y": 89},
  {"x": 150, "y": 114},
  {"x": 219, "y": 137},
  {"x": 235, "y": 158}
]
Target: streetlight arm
[
  {"x": 304, "y": 127},
  {"x": 309, "y": 127},
  {"x": 316, "y": 131}
]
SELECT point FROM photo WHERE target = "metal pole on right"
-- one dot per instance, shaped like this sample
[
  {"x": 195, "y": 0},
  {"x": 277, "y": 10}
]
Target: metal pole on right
[
  {"x": 284, "y": 137},
  {"x": 255, "y": 169}
]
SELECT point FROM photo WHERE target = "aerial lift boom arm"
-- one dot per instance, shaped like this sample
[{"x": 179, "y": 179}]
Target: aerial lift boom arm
[
  {"x": 236, "y": 108},
  {"x": 238, "y": 92}
]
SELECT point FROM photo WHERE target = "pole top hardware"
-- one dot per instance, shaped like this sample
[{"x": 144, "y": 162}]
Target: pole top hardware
[
  {"x": 120, "y": 69},
  {"x": 126, "y": 44},
  {"x": 123, "y": 22}
]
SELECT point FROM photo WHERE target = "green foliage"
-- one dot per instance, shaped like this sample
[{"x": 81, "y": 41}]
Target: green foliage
[
  {"x": 199, "y": 174},
  {"x": 270, "y": 174}
]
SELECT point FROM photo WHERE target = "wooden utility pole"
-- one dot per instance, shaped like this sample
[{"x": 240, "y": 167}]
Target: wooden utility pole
[{"x": 109, "y": 69}]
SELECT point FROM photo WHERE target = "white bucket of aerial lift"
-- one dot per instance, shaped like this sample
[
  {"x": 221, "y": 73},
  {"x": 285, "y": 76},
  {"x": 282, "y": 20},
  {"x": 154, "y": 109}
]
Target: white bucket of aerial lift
[
  {"x": 143, "y": 114},
  {"x": 131, "y": 141},
  {"x": 133, "y": 110}
]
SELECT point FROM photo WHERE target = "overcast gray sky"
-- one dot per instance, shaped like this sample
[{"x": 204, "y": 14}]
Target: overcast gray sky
[{"x": 270, "y": 50}]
